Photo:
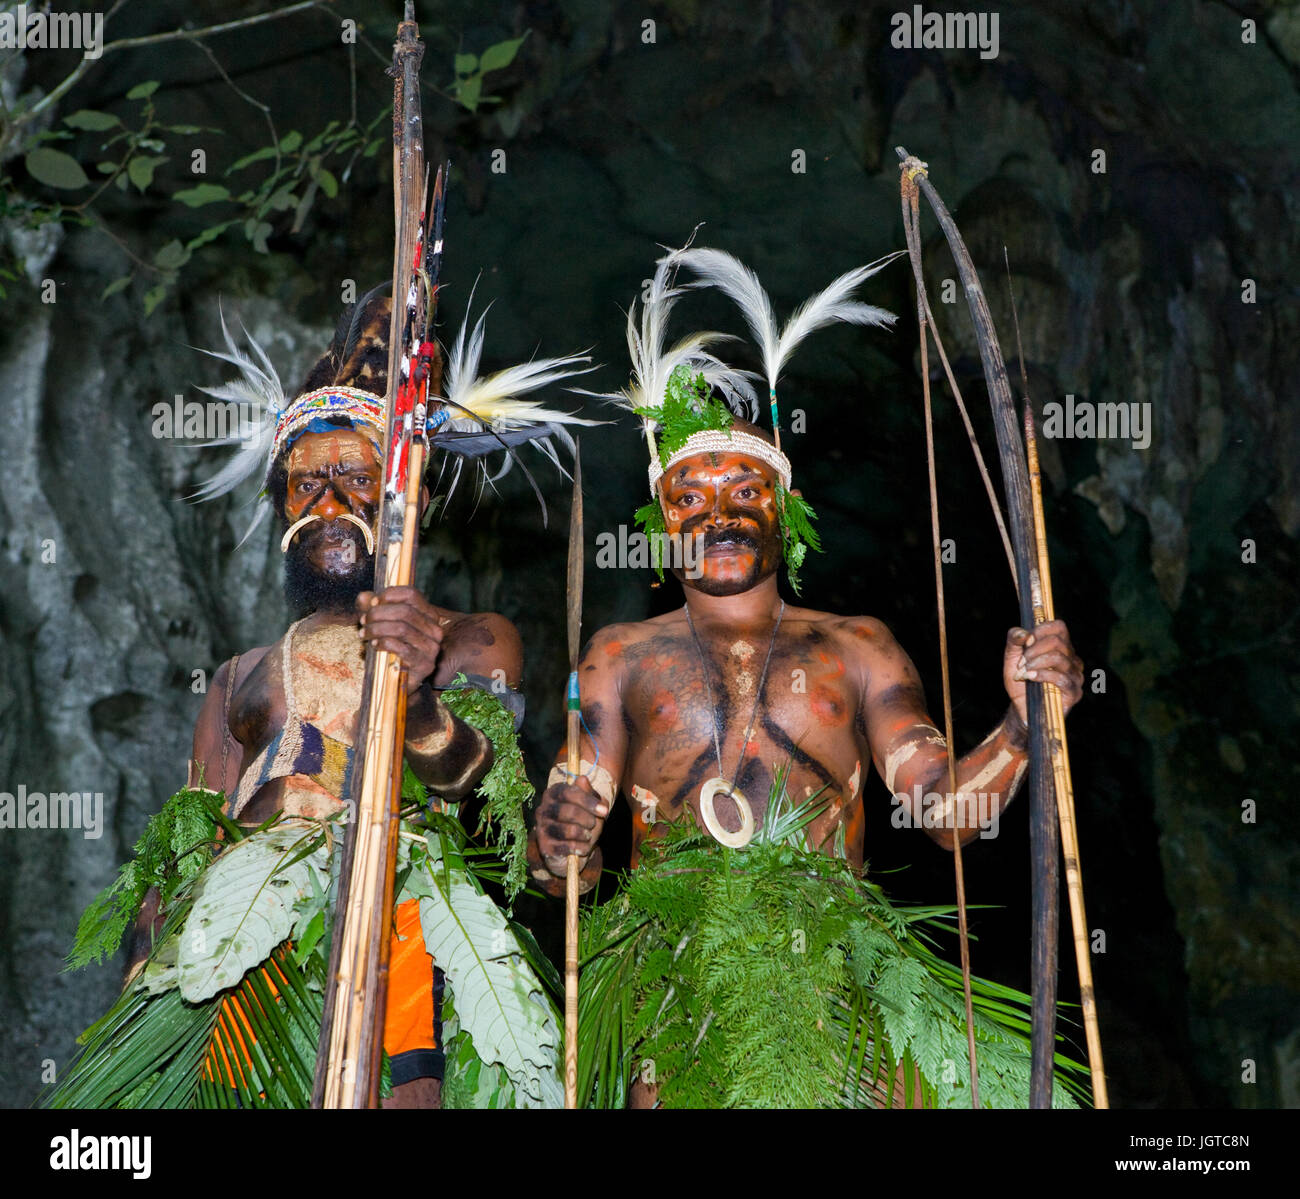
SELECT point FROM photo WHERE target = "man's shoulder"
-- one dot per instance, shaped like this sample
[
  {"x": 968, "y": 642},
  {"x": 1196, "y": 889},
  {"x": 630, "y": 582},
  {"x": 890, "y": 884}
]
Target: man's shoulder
[
  {"x": 612, "y": 642},
  {"x": 481, "y": 642},
  {"x": 868, "y": 631},
  {"x": 244, "y": 662}
]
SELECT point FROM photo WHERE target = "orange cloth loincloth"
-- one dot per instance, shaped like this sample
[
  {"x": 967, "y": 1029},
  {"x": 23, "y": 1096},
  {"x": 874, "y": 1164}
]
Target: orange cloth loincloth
[{"x": 409, "y": 1021}]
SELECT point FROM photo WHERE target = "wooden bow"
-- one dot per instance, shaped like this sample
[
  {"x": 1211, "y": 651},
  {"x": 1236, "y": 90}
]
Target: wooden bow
[{"x": 1023, "y": 548}]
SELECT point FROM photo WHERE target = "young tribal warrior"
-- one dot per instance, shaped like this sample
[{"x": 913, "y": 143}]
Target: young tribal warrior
[
  {"x": 690, "y": 714},
  {"x": 276, "y": 732}
]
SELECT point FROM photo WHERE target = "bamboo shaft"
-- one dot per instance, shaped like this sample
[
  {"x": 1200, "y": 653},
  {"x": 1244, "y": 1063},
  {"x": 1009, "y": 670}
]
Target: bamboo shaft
[
  {"x": 911, "y": 219},
  {"x": 1055, "y": 711},
  {"x": 574, "y": 764}
]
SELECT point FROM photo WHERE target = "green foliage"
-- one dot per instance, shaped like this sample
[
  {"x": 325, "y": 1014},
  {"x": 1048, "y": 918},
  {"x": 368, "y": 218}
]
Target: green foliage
[
  {"x": 689, "y": 407},
  {"x": 154, "y": 1047},
  {"x": 506, "y": 1031},
  {"x": 171, "y": 851},
  {"x": 650, "y": 518},
  {"x": 246, "y": 903},
  {"x": 129, "y": 152},
  {"x": 505, "y": 788},
  {"x": 468, "y": 1082},
  {"x": 467, "y": 86},
  {"x": 777, "y": 977},
  {"x": 797, "y": 533}
]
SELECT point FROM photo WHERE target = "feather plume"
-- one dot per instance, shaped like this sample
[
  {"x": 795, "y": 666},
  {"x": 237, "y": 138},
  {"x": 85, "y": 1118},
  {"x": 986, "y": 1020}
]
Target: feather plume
[
  {"x": 653, "y": 365},
  {"x": 716, "y": 268},
  {"x": 487, "y": 413},
  {"x": 261, "y": 390}
]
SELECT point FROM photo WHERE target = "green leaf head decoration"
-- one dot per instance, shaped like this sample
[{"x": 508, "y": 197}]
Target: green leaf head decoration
[{"x": 689, "y": 407}]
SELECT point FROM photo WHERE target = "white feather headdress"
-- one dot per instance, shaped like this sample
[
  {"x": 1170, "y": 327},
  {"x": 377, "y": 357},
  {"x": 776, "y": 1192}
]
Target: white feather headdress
[
  {"x": 483, "y": 415},
  {"x": 653, "y": 364},
  {"x": 717, "y": 268}
]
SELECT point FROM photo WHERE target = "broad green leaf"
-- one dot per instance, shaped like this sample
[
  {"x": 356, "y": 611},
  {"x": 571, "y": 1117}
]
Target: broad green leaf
[
  {"x": 244, "y": 907},
  {"x": 204, "y": 193},
  {"x": 209, "y": 234},
  {"x": 117, "y": 285},
  {"x": 55, "y": 169},
  {"x": 501, "y": 55},
  {"x": 249, "y": 159},
  {"x": 290, "y": 142},
  {"x": 498, "y": 998},
  {"x": 172, "y": 256},
  {"x": 282, "y": 199},
  {"x": 90, "y": 118},
  {"x": 469, "y": 92},
  {"x": 141, "y": 170},
  {"x": 465, "y": 63},
  {"x": 105, "y": 168},
  {"x": 328, "y": 184},
  {"x": 153, "y": 297},
  {"x": 142, "y": 91}
]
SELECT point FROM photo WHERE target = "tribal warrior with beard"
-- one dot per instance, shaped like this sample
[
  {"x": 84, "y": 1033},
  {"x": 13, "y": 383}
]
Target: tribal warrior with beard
[
  {"x": 686, "y": 710},
  {"x": 275, "y": 734}
]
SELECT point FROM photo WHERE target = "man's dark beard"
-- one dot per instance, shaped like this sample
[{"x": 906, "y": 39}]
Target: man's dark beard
[{"x": 307, "y": 590}]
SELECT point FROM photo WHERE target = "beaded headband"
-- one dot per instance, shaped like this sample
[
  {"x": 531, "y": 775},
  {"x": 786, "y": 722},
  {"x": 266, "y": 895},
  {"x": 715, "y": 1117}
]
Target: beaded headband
[
  {"x": 716, "y": 441},
  {"x": 359, "y": 407}
]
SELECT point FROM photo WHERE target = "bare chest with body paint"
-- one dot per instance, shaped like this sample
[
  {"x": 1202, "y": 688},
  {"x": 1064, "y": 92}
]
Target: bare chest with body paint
[{"x": 807, "y": 716}]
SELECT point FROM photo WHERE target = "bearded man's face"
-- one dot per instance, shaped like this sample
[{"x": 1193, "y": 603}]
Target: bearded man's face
[
  {"x": 730, "y": 500},
  {"x": 331, "y": 476}
]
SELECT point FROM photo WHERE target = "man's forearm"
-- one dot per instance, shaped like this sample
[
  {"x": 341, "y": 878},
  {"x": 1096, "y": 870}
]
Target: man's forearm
[
  {"x": 987, "y": 779},
  {"x": 447, "y": 755}
]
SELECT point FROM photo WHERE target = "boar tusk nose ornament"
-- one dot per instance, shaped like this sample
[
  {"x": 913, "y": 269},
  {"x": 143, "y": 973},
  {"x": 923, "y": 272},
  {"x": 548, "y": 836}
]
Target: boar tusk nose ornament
[
  {"x": 292, "y": 530},
  {"x": 365, "y": 529}
]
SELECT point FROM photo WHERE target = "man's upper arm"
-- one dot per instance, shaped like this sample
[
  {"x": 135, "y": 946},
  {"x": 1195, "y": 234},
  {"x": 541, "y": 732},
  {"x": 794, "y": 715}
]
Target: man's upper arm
[
  {"x": 905, "y": 745},
  {"x": 507, "y": 649},
  {"x": 211, "y": 733},
  {"x": 600, "y": 687}
]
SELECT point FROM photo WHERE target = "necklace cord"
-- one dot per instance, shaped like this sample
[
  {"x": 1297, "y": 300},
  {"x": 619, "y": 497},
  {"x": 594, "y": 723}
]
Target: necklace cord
[{"x": 708, "y": 691}]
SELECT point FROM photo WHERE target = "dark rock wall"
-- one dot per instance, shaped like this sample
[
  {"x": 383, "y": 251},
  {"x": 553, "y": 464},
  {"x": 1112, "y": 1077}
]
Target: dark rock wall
[{"x": 1130, "y": 285}]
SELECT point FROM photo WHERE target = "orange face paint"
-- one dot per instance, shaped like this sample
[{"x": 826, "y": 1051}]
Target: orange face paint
[
  {"x": 333, "y": 472},
  {"x": 730, "y": 500}
]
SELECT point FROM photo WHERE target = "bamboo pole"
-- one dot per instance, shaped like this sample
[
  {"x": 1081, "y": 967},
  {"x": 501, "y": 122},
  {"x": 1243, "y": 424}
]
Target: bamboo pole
[
  {"x": 348, "y": 1064},
  {"x": 1044, "y": 610},
  {"x": 573, "y": 705}
]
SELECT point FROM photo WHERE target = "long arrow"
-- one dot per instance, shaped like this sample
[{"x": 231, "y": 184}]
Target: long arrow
[
  {"x": 573, "y": 705},
  {"x": 351, "y": 1042},
  {"x": 1044, "y": 840}
]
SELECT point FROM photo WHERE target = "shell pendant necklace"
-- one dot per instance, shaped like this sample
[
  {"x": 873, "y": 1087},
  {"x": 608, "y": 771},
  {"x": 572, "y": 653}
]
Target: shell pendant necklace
[{"x": 718, "y": 785}]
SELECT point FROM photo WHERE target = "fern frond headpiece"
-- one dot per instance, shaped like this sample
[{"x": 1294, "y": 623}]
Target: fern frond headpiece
[{"x": 671, "y": 390}]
